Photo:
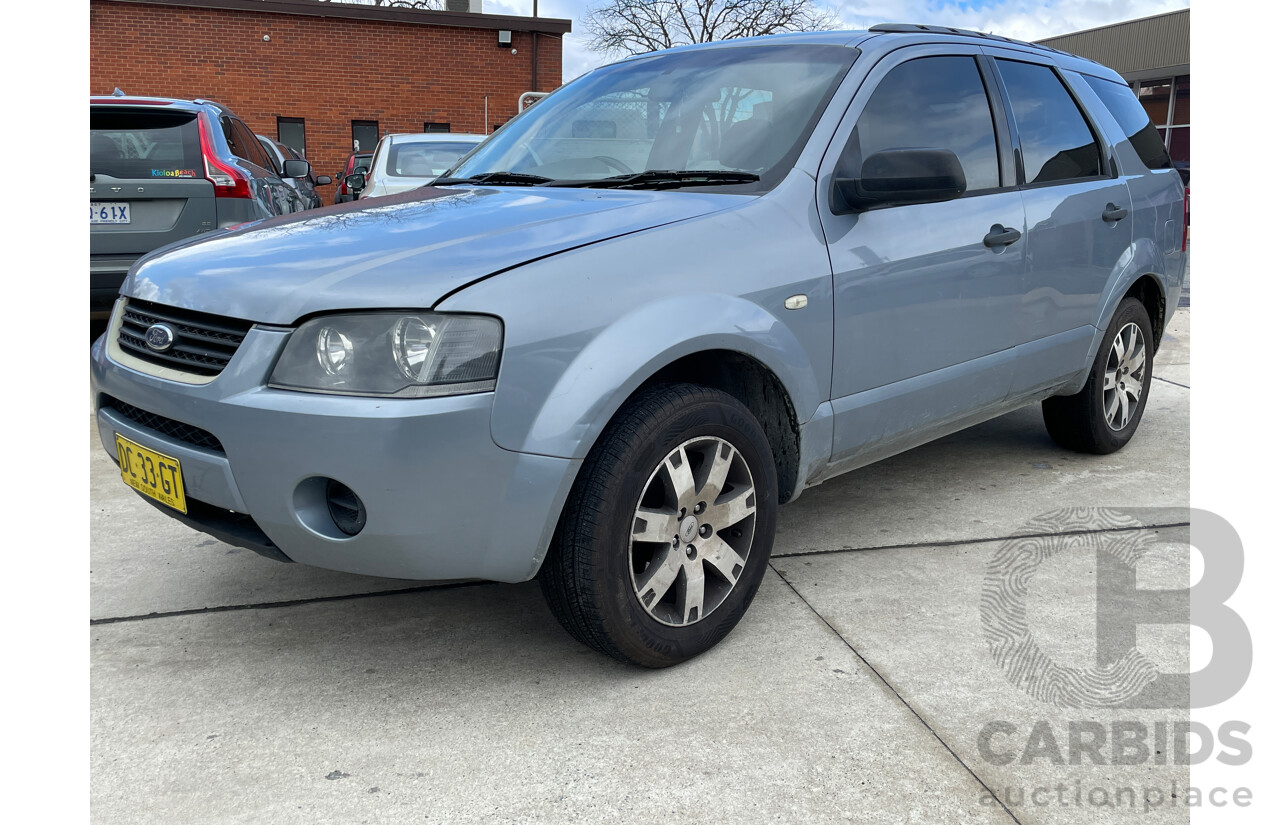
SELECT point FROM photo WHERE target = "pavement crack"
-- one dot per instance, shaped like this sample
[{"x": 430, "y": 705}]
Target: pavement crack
[
  {"x": 229, "y": 608},
  {"x": 895, "y": 692},
  {"x": 960, "y": 542},
  {"x": 1167, "y": 381}
]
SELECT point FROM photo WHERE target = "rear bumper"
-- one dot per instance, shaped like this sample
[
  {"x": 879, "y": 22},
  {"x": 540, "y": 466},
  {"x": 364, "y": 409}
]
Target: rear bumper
[{"x": 443, "y": 501}]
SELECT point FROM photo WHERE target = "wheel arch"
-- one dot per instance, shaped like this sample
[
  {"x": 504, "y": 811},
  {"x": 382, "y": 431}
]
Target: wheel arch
[
  {"x": 718, "y": 341},
  {"x": 760, "y": 391},
  {"x": 1148, "y": 290},
  {"x": 1139, "y": 273}
]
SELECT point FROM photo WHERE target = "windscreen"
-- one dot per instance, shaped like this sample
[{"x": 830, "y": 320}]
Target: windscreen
[
  {"x": 144, "y": 144},
  {"x": 739, "y": 108},
  {"x": 424, "y": 160}
]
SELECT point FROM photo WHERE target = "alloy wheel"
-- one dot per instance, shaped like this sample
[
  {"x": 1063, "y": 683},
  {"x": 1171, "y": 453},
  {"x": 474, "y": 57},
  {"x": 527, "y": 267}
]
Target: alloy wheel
[
  {"x": 1125, "y": 376},
  {"x": 692, "y": 531}
]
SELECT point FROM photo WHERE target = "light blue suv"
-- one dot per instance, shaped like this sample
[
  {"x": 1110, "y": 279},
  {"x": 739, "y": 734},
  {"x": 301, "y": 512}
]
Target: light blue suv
[{"x": 612, "y": 341}]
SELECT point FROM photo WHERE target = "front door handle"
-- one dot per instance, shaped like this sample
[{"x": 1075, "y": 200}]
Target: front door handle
[
  {"x": 1000, "y": 236},
  {"x": 1114, "y": 213}
]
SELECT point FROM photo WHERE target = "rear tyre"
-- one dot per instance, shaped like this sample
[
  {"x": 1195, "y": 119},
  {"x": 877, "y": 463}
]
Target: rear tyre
[
  {"x": 1103, "y": 416},
  {"x": 667, "y": 532}
]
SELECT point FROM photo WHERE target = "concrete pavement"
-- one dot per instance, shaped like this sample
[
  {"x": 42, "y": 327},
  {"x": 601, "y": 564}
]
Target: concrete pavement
[{"x": 857, "y": 689}]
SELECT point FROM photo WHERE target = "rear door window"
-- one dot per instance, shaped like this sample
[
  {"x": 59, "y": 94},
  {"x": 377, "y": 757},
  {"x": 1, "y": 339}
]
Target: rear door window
[
  {"x": 1123, "y": 105},
  {"x": 932, "y": 103},
  {"x": 148, "y": 144},
  {"x": 1057, "y": 143},
  {"x": 244, "y": 144}
]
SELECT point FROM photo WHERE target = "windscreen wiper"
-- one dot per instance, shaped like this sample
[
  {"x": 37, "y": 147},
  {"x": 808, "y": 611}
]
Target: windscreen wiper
[
  {"x": 665, "y": 179},
  {"x": 495, "y": 178}
]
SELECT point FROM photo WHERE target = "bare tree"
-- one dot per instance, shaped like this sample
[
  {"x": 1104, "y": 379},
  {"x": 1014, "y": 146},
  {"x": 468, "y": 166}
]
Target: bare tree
[{"x": 637, "y": 26}]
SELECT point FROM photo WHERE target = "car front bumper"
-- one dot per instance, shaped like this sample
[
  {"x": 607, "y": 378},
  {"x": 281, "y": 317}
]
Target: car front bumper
[{"x": 443, "y": 501}]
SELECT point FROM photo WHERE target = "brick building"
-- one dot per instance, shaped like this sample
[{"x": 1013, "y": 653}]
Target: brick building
[{"x": 322, "y": 75}]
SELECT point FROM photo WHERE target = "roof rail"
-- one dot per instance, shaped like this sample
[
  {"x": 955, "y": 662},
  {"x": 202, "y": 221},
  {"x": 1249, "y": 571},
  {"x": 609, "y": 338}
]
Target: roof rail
[{"x": 910, "y": 28}]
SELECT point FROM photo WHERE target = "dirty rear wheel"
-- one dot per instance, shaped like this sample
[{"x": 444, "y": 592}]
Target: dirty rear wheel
[{"x": 667, "y": 532}]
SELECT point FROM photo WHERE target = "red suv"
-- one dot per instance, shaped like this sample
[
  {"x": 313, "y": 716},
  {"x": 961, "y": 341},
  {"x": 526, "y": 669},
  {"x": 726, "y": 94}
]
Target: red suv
[{"x": 356, "y": 162}]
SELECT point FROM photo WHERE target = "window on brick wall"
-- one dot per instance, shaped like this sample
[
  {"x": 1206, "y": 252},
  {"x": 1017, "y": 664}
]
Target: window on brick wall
[
  {"x": 435, "y": 127},
  {"x": 364, "y": 135},
  {"x": 292, "y": 132}
]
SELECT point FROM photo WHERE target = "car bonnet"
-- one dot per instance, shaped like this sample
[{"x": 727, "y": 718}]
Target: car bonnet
[{"x": 404, "y": 251}]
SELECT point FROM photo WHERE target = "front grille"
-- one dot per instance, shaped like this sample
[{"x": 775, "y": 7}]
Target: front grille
[
  {"x": 203, "y": 343},
  {"x": 176, "y": 430}
]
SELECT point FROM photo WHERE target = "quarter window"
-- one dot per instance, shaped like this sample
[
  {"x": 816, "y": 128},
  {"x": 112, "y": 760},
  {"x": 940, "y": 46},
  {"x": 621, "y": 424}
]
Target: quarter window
[
  {"x": 1133, "y": 120},
  {"x": 932, "y": 103},
  {"x": 1057, "y": 143}
]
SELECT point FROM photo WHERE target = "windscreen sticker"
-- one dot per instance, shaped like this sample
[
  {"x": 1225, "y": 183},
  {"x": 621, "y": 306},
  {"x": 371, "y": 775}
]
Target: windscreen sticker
[{"x": 173, "y": 173}]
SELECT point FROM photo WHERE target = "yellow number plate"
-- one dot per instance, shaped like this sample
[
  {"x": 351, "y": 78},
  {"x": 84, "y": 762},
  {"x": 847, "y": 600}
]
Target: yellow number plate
[{"x": 152, "y": 474}]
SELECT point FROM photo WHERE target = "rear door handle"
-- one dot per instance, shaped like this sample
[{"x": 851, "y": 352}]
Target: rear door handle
[
  {"x": 1114, "y": 213},
  {"x": 1000, "y": 236}
]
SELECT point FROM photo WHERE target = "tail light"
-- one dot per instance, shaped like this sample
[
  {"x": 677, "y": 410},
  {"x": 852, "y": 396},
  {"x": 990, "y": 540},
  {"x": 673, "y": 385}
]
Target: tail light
[{"x": 228, "y": 181}]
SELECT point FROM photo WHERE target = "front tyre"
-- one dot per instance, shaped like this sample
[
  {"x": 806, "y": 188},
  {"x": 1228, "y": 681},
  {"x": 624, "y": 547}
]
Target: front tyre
[
  {"x": 667, "y": 532},
  {"x": 1103, "y": 416}
]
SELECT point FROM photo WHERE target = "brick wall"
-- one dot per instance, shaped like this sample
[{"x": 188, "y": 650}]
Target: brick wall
[{"x": 328, "y": 71}]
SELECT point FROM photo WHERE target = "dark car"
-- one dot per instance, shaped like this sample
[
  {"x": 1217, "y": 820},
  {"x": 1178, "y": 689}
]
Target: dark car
[
  {"x": 356, "y": 162},
  {"x": 161, "y": 170},
  {"x": 306, "y": 185}
]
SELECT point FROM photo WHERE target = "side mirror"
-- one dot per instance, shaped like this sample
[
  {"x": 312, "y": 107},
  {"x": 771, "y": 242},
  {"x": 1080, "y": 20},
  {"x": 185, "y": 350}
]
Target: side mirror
[
  {"x": 898, "y": 177},
  {"x": 323, "y": 180},
  {"x": 295, "y": 168},
  {"x": 355, "y": 182}
]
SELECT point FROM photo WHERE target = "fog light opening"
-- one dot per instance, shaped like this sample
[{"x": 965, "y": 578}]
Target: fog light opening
[{"x": 345, "y": 507}]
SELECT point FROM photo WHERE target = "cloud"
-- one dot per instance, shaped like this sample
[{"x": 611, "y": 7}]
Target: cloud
[{"x": 1019, "y": 19}]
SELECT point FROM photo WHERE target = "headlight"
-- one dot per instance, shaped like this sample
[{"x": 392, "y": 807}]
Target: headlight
[{"x": 410, "y": 356}]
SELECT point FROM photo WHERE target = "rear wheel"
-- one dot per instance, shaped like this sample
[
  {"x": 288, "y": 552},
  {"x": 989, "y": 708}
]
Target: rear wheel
[
  {"x": 1103, "y": 416},
  {"x": 667, "y": 532}
]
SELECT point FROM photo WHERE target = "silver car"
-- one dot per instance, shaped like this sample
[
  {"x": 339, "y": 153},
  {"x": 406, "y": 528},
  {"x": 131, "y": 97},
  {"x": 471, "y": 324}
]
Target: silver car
[
  {"x": 408, "y": 161},
  {"x": 619, "y": 335},
  {"x": 304, "y": 184}
]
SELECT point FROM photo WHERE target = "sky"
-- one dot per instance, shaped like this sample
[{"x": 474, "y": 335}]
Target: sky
[{"x": 1019, "y": 19}]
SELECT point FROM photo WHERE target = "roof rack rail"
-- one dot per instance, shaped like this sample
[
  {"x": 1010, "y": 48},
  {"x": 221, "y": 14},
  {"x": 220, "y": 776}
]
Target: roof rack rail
[{"x": 910, "y": 28}]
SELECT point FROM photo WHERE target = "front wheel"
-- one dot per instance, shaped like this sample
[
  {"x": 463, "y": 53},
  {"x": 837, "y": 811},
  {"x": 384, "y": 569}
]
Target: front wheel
[
  {"x": 1103, "y": 416},
  {"x": 667, "y": 532}
]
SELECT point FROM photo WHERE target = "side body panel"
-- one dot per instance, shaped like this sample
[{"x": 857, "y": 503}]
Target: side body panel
[
  {"x": 1156, "y": 199},
  {"x": 583, "y": 331},
  {"x": 925, "y": 313},
  {"x": 1072, "y": 254}
]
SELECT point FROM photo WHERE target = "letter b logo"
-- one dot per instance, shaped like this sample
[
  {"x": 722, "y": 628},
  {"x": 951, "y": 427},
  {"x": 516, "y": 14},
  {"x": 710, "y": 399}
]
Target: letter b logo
[{"x": 1121, "y": 676}]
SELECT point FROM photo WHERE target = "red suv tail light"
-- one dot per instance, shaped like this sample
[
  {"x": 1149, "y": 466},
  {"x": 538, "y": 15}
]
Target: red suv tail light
[{"x": 228, "y": 181}]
